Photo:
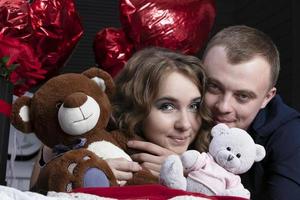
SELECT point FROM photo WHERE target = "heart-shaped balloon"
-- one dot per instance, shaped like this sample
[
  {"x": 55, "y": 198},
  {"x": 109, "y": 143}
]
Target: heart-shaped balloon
[
  {"x": 181, "y": 25},
  {"x": 51, "y": 27},
  {"x": 112, "y": 49},
  {"x": 175, "y": 24}
]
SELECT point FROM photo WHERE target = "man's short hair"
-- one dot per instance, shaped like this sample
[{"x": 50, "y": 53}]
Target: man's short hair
[{"x": 242, "y": 43}]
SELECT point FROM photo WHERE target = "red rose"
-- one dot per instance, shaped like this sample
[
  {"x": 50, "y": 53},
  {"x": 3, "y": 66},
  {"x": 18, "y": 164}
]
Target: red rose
[{"x": 28, "y": 69}]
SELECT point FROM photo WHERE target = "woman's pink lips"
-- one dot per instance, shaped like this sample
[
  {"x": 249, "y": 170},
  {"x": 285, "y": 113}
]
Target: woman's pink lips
[{"x": 179, "y": 140}]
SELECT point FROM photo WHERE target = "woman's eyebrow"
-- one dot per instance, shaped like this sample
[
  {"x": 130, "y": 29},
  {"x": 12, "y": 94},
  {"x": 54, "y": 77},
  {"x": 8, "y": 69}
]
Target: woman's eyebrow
[
  {"x": 166, "y": 98},
  {"x": 197, "y": 99}
]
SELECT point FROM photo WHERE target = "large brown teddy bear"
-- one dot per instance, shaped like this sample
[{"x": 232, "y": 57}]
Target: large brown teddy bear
[{"x": 69, "y": 113}]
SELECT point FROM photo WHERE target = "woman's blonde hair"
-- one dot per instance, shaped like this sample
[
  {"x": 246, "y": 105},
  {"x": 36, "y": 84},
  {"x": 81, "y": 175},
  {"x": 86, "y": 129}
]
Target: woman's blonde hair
[{"x": 138, "y": 83}]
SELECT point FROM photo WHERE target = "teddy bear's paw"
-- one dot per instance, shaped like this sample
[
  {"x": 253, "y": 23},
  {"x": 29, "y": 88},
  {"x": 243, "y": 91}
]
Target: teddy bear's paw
[
  {"x": 95, "y": 177},
  {"x": 190, "y": 159},
  {"x": 171, "y": 173},
  {"x": 81, "y": 168}
]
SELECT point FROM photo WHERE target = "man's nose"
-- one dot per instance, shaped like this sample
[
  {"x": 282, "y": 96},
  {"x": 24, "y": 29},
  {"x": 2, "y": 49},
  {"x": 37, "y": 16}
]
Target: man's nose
[
  {"x": 183, "y": 122},
  {"x": 224, "y": 104}
]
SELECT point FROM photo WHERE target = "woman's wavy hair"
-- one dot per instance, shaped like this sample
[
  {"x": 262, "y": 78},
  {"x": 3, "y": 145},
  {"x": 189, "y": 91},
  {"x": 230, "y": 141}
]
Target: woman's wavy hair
[{"x": 138, "y": 83}]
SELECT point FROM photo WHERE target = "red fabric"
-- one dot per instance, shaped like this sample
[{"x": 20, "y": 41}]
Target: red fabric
[
  {"x": 5, "y": 108},
  {"x": 149, "y": 192}
]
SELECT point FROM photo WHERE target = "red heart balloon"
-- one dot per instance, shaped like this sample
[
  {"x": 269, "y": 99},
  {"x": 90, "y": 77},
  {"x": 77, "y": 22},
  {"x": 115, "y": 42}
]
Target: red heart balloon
[
  {"x": 112, "y": 49},
  {"x": 51, "y": 27},
  {"x": 175, "y": 24}
]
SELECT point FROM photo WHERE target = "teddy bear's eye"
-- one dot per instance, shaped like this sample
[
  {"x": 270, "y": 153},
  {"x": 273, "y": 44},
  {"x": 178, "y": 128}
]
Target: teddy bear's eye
[
  {"x": 238, "y": 155},
  {"x": 58, "y": 105},
  {"x": 228, "y": 149}
]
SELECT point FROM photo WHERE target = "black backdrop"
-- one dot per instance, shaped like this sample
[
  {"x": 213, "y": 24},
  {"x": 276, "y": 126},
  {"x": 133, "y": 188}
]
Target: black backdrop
[{"x": 278, "y": 18}]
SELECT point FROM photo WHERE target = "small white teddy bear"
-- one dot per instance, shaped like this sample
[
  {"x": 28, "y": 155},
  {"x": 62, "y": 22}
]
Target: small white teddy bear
[{"x": 232, "y": 151}]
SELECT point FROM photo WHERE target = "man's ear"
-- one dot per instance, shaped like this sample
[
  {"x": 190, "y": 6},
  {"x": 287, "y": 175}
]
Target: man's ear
[
  {"x": 20, "y": 115},
  {"x": 102, "y": 78},
  {"x": 271, "y": 93}
]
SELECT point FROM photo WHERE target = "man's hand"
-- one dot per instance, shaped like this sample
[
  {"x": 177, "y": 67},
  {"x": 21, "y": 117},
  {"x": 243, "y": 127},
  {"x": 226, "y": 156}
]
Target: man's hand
[
  {"x": 152, "y": 157},
  {"x": 122, "y": 168}
]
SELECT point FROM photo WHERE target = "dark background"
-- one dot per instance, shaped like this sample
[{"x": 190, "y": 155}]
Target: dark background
[{"x": 277, "y": 18}]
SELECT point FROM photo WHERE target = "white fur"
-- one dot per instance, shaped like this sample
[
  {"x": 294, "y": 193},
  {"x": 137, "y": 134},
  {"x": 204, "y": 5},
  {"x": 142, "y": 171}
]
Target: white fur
[
  {"x": 226, "y": 144},
  {"x": 24, "y": 113},
  {"x": 79, "y": 120},
  {"x": 106, "y": 150},
  {"x": 100, "y": 82},
  {"x": 171, "y": 173}
]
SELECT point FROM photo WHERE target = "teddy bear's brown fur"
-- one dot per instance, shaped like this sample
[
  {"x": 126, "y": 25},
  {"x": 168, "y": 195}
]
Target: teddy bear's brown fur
[{"x": 49, "y": 114}]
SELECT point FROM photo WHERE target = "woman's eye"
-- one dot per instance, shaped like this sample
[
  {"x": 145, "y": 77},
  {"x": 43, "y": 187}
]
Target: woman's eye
[
  {"x": 166, "y": 107},
  {"x": 194, "y": 107}
]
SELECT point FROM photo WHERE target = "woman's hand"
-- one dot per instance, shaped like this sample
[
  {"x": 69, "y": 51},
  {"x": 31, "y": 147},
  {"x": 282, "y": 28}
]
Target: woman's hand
[
  {"x": 122, "y": 168},
  {"x": 152, "y": 157}
]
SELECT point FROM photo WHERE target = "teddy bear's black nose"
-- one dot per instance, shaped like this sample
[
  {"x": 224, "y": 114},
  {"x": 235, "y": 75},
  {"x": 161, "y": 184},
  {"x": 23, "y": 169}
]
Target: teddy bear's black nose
[
  {"x": 75, "y": 100},
  {"x": 229, "y": 158}
]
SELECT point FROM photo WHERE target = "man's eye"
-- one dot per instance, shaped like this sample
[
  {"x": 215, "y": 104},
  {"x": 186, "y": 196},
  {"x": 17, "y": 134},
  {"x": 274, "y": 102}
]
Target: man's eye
[
  {"x": 166, "y": 107},
  {"x": 212, "y": 87},
  {"x": 243, "y": 98},
  {"x": 194, "y": 107}
]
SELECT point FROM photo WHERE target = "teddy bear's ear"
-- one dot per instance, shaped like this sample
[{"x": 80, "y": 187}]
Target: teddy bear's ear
[
  {"x": 260, "y": 153},
  {"x": 20, "y": 115},
  {"x": 219, "y": 129},
  {"x": 102, "y": 78}
]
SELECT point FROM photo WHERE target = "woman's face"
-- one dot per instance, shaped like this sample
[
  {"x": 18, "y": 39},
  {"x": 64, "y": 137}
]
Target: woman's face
[{"x": 174, "y": 118}]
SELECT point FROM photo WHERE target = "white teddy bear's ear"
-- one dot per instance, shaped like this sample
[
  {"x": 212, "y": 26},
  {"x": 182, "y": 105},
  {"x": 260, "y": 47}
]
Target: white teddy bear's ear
[
  {"x": 219, "y": 129},
  {"x": 260, "y": 153},
  {"x": 100, "y": 82}
]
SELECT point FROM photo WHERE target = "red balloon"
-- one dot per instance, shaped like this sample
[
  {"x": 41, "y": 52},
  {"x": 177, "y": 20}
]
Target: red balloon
[
  {"x": 112, "y": 49},
  {"x": 182, "y": 25},
  {"x": 51, "y": 27},
  {"x": 15, "y": 18}
]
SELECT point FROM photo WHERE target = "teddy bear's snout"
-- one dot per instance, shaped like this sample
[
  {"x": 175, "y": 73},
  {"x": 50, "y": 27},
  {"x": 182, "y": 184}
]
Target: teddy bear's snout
[
  {"x": 78, "y": 114},
  {"x": 75, "y": 100}
]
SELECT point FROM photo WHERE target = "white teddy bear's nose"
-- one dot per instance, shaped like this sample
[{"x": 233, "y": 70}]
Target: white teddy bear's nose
[{"x": 230, "y": 157}]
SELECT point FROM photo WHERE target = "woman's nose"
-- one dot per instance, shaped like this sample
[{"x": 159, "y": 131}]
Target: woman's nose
[{"x": 183, "y": 122}]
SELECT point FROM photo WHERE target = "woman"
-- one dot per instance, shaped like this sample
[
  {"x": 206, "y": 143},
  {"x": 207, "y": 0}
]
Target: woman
[{"x": 159, "y": 98}]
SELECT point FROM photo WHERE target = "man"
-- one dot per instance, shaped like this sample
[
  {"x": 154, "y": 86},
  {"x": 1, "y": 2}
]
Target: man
[{"x": 242, "y": 65}]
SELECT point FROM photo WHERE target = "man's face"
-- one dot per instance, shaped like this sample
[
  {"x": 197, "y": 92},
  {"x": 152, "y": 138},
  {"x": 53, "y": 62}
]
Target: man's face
[{"x": 236, "y": 92}]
